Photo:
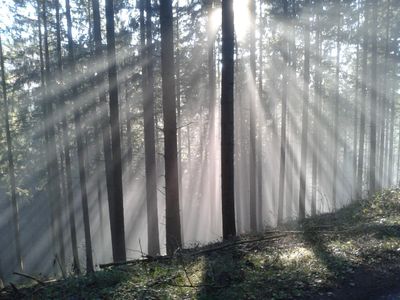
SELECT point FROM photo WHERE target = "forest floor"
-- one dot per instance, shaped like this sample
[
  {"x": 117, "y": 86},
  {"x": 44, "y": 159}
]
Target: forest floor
[{"x": 352, "y": 254}]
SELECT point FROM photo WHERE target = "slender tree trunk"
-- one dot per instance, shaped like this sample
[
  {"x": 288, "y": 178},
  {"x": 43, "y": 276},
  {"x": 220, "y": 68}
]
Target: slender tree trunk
[
  {"x": 283, "y": 145},
  {"x": 259, "y": 145},
  {"x": 149, "y": 139},
  {"x": 80, "y": 144},
  {"x": 11, "y": 168},
  {"x": 105, "y": 124},
  {"x": 387, "y": 98},
  {"x": 66, "y": 148},
  {"x": 211, "y": 36},
  {"x": 117, "y": 207},
  {"x": 374, "y": 98},
  {"x": 317, "y": 118},
  {"x": 252, "y": 104},
  {"x": 173, "y": 224},
  {"x": 356, "y": 108},
  {"x": 52, "y": 163},
  {"x": 361, "y": 145},
  {"x": 227, "y": 121},
  {"x": 336, "y": 124},
  {"x": 304, "y": 126}
]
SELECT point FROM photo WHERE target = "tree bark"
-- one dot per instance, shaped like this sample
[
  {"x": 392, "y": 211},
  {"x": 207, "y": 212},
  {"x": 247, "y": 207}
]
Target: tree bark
[
  {"x": 173, "y": 224},
  {"x": 66, "y": 147},
  {"x": 11, "y": 168},
  {"x": 80, "y": 144},
  {"x": 304, "y": 126},
  {"x": 283, "y": 143},
  {"x": 227, "y": 121},
  {"x": 373, "y": 99}
]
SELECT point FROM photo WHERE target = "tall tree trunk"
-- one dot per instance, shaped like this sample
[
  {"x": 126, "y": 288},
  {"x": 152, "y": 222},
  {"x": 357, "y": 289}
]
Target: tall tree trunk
[
  {"x": 259, "y": 145},
  {"x": 373, "y": 98},
  {"x": 173, "y": 224},
  {"x": 153, "y": 243},
  {"x": 11, "y": 168},
  {"x": 387, "y": 98},
  {"x": 361, "y": 146},
  {"x": 304, "y": 126},
  {"x": 356, "y": 108},
  {"x": 316, "y": 118},
  {"x": 52, "y": 163},
  {"x": 336, "y": 124},
  {"x": 104, "y": 121},
  {"x": 283, "y": 144},
  {"x": 117, "y": 204},
  {"x": 212, "y": 161},
  {"x": 253, "y": 109},
  {"x": 66, "y": 148},
  {"x": 227, "y": 121},
  {"x": 80, "y": 144}
]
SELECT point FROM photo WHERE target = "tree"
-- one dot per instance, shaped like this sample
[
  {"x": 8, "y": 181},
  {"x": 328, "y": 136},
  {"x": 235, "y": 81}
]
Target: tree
[
  {"x": 283, "y": 143},
  {"x": 99, "y": 79},
  {"x": 361, "y": 142},
  {"x": 304, "y": 126},
  {"x": 253, "y": 108},
  {"x": 146, "y": 41},
  {"x": 336, "y": 143},
  {"x": 173, "y": 224},
  {"x": 80, "y": 144},
  {"x": 117, "y": 204},
  {"x": 317, "y": 117},
  {"x": 373, "y": 98},
  {"x": 66, "y": 146},
  {"x": 11, "y": 168},
  {"x": 227, "y": 121},
  {"x": 54, "y": 192}
]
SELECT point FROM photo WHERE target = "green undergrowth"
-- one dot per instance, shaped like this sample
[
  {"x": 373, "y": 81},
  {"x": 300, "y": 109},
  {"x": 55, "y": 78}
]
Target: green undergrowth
[{"x": 313, "y": 259}]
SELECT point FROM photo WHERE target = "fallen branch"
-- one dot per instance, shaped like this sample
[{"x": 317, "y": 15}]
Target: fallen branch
[
  {"x": 30, "y": 277},
  {"x": 238, "y": 243},
  {"x": 134, "y": 261}
]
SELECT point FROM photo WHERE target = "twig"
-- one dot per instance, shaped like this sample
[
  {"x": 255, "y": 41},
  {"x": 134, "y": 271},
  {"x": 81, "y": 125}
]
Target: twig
[{"x": 30, "y": 277}]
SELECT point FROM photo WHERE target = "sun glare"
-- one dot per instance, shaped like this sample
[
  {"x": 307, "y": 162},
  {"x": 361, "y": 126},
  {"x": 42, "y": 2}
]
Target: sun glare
[{"x": 242, "y": 18}]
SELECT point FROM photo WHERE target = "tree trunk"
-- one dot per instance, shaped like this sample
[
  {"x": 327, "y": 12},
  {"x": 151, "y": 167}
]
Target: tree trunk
[
  {"x": 104, "y": 124},
  {"x": 336, "y": 143},
  {"x": 374, "y": 98},
  {"x": 253, "y": 109},
  {"x": 227, "y": 121},
  {"x": 153, "y": 243},
  {"x": 283, "y": 145},
  {"x": 356, "y": 108},
  {"x": 80, "y": 144},
  {"x": 52, "y": 163},
  {"x": 304, "y": 126},
  {"x": 173, "y": 224},
  {"x": 317, "y": 118},
  {"x": 66, "y": 149},
  {"x": 361, "y": 145},
  {"x": 11, "y": 168},
  {"x": 117, "y": 207}
]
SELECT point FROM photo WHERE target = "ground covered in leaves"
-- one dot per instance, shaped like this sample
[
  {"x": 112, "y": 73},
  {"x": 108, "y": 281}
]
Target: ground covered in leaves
[{"x": 353, "y": 254}]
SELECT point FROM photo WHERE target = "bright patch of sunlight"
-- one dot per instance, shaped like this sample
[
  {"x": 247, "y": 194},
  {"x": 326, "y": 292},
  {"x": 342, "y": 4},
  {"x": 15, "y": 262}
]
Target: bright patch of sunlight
[
  {"x": 242, "y": 18},
  {"x": 216, "y": 18},
  {"x": 297, "y": 254}
]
